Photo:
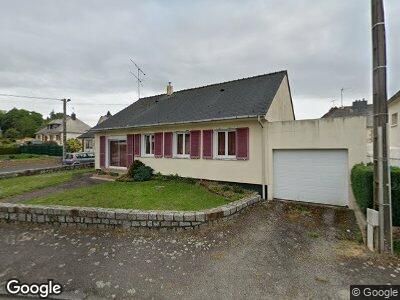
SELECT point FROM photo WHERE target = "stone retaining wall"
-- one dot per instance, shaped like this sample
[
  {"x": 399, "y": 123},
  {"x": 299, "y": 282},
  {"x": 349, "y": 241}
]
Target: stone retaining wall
[
  {"x": 118, "y": 218},
  {"x": 43, "y": 170}
]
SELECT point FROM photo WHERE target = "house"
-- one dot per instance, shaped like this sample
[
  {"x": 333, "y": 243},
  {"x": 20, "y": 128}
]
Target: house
[
  {"x": 394, "y": 131},
  {"x": 88, "y": 136},
  {"x": 54, "y": 130},
  {"x": 241, "y": 131},
  {"x": 362, "y": 108}
]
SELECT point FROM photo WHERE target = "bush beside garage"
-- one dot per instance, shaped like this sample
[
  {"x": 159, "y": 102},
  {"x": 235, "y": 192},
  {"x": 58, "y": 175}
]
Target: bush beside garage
[{"x": 362, "y": 181}]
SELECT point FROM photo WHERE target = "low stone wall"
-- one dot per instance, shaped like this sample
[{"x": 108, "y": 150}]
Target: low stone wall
[
  {"x": 118, "y": 218},
  {"x": 43, "y": 170}
]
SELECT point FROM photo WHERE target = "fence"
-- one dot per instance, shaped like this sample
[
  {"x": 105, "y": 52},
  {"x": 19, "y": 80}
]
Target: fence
[{"x": 43, "y": 149}]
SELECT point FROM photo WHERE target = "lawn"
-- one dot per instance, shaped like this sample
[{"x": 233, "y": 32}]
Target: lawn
[
  {"x": 20, "y": 185},
  {"x": 148, "y": 195}
]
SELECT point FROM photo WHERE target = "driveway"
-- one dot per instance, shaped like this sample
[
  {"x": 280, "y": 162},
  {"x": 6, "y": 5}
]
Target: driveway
[{"x": 273, "y": 250}]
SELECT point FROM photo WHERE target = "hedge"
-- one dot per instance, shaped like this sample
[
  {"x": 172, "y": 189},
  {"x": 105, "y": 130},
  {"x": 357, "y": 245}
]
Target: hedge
[
  {"x": 10, "y": 150},
  {"x": 362, "y": 181},
  {"x": 43, "y": 149}
]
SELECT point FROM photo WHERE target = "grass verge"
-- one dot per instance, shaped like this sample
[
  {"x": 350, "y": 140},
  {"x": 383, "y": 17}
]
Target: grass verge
[
  {"x": 148, "y": 195},
  {"x": 20, "y": 185}
]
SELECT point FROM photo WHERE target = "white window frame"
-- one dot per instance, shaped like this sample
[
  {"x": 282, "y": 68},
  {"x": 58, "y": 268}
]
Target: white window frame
[
  {"x": 175, "y": 144},
  {"x": 215, "y": 144},
  {"x": 397, "y": 119},
  {"x": 144, "y": 154},
  {"x": 108, "y": 140}
]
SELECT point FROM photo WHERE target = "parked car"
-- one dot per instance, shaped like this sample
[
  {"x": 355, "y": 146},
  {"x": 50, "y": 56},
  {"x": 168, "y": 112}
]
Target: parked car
[{"x": 78, "y": 158}]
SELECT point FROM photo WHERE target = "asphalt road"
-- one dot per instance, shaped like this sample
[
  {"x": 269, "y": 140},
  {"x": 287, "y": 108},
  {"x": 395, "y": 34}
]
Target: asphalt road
[{"x": 273, "y": 250}]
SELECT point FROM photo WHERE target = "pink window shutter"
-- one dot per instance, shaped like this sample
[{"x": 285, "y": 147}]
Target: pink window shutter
[
  {"x": 242, "y": 143},
  {"x": 102, "y": 151},
  {"x": 158, "y": 144},
  {"x": 129, "y": 152},
  {"x": 137, "y": 145},
  {"x": 195, "y": 144},
  {"x": 207, "y": 144},
  {"x": 168, "y": 144}
]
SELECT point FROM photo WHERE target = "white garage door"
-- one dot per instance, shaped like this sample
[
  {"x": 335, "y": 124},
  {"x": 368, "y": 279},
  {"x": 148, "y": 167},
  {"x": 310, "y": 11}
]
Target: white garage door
[{"x": 318, "y": 176}]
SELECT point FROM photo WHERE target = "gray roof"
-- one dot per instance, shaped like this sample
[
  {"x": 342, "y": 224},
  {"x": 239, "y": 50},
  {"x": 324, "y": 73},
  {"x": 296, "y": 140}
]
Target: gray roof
[
  {"x": 349, "y": 111},
  {"x": 87, "y": 135},
  {"x": 395, "y": 97},
  {"x": 73, "y": 126},
  {"x": 242, "y": 98}
]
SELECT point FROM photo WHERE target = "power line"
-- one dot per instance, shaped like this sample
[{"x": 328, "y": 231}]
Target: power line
[{"x": 31, "y": 97}]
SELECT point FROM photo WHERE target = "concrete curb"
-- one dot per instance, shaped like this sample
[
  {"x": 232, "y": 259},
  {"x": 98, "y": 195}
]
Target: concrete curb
[{"x": 84, "y": 217}]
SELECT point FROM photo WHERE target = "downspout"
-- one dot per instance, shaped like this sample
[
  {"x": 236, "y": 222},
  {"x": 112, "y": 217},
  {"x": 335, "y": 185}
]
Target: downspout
[{"x": 262, "y": 156}]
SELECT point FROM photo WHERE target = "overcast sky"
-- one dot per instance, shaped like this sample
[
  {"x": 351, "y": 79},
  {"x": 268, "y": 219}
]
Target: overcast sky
[{"x": 81, "y": 49}]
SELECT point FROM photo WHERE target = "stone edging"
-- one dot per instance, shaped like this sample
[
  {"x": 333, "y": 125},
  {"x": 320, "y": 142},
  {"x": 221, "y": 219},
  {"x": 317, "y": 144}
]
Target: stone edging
[
  {"x": 84, "y": 217},
  {"x": 38, "y": 171}
]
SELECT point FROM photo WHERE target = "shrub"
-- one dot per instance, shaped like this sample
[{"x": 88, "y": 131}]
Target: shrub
[
  {"x": 74, "y": 145},
  {"x": 10, "y": 150},
  {"x": 362, "y": 181},
  {"x": 134, "y": 166},
  {"x": 143, "y": 173},
  {"x": 362, "y": 178}
]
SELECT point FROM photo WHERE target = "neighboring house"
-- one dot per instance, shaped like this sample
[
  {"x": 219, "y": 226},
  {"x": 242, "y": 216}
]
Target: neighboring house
[
  {"x": 394, "y": 137},
  {"x": 362, "y": 108},
  {"x": 88, "y": 137},
  {"x": 54, "y": 130},
  {"x": 241, "y": 131}
]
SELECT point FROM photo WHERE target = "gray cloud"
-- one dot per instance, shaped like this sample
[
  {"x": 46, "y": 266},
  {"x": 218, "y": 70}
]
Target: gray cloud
[{"x": 81, "y": 49}]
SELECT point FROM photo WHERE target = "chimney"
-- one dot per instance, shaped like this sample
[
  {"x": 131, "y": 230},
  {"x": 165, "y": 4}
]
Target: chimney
[
  {"x": 73, "y": 116},
  {"x": 360, "y": 104},
  {"x": 170, "y": 89}
]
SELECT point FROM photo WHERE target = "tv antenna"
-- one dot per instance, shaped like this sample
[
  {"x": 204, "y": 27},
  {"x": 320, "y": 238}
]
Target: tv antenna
[
  {"x": 137, "y": 76},
  {"x": 333, "y": 103}
]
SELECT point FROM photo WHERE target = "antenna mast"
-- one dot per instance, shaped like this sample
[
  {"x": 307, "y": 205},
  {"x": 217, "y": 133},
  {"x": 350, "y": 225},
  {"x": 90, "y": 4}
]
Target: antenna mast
[{"x": 137, "y": 76}]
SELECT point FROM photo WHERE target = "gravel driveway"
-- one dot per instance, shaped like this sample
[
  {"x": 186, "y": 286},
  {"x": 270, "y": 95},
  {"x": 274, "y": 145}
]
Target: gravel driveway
[{"x": 272, "y": 250}]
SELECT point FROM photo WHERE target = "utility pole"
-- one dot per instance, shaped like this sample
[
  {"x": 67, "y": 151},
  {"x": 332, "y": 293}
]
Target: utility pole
[
  {"x": 65, "y": 126},
  {"x": 382, "y": 189}
]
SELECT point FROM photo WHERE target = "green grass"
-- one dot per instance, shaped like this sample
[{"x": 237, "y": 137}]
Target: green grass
[
  {"x": 148, "y": 195},
  {"x": 22, "y": 156},
  {"x": 20, "y": 185}
]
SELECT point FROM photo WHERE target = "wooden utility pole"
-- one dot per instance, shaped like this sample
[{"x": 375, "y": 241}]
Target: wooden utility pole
[
  {"x": 382, "y": 195},
  {"x": 64, "y": 139}
]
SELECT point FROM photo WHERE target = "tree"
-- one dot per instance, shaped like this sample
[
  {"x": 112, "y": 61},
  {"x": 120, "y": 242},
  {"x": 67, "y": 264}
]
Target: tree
[
  {"x": 74, "y": 145},
  {"x": 23, "y": 121},
  {"x": 54, "y": 116},
  {"x": 12, "y": 134}
]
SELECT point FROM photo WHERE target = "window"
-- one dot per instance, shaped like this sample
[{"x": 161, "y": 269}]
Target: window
[
  {"x": 225, "y": 143},
  {"x": 58, "y": 138},
  {"x": 148, "y": 144},
  {"x": 395, "y": 119},
  {"x": 117, "y": 153},
  {"x": 182, "y": 144},
  {"x": 88, "y": 144}
]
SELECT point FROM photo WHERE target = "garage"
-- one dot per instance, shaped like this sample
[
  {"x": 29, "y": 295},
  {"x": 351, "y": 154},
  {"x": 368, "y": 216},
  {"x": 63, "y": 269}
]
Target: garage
[{"x": 317, "y": 176}]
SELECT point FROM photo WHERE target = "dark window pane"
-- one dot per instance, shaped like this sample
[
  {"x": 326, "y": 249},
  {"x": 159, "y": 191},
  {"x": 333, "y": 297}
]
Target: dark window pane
[
  {"x": 221, "y": 143},
  {"x": 122, "y": 154},
  {"x": 114, "y": 153},
  {"x": 152, "y": 144},
  {"x": 231, "y": 143},
  {"x": 147, "y": 144},
  {"x": 187, "y": 143},
  {"x": 179, "y": 145}
]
